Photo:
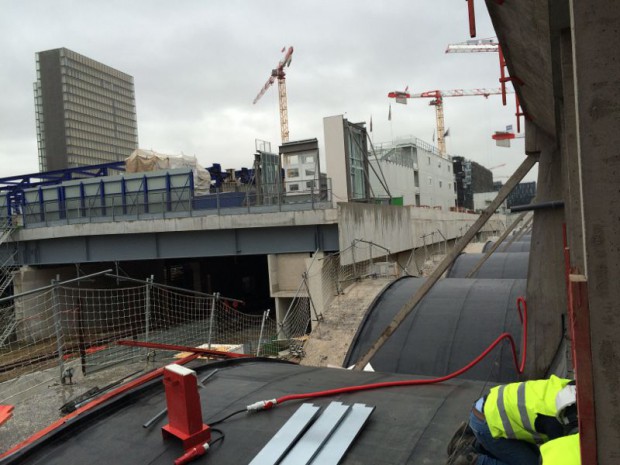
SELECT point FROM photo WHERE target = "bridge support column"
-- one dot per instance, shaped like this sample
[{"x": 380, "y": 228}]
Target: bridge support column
[{"x": 36, "y": 320}]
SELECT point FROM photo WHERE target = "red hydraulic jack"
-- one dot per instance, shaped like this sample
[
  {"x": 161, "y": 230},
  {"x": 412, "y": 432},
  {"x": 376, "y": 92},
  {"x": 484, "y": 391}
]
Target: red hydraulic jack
[{"x": 184, "y": 412}]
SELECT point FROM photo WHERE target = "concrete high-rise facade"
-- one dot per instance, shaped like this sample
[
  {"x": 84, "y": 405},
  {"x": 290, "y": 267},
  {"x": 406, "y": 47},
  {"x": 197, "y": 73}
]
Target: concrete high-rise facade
[{"x": 85, "y": 111}]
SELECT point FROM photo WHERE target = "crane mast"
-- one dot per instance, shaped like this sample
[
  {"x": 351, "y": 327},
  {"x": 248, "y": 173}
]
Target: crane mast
[
  {"x": 279, "y": 74},
  {"x": 437, "y": 97}
]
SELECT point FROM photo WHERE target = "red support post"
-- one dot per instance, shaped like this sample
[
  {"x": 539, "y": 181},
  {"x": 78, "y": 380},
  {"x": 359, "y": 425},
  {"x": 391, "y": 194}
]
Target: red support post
[
  {"x": 472, "y": 18},
  {"x": 502, "y": 73},
  {"x": 518, "y": 113},
  {"x": 184, "y": 410},
  {"x": 579, "y": 315}
]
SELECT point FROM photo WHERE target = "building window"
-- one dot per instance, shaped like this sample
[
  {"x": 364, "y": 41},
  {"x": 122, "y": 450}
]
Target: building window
[
  {"x": 294, "y": 187},
  {"x": 429, "y": 160},
  {"x": 309, "y": 172},
  {"x": 440, "y": 184},
  {"x": 292, "y": 173},
  {"x": 309, "y": 184},
  {"x": 430, "y": 181}
]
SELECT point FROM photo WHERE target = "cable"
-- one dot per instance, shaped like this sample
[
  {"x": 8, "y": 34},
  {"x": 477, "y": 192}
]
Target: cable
[
  {"x": 217, "y": 422},
  {"x": 519, "y": 367},
  {"x": 218, "y": 439}
]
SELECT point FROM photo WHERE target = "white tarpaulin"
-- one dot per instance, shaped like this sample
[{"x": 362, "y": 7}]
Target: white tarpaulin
[{"x": 148, "y": 160}]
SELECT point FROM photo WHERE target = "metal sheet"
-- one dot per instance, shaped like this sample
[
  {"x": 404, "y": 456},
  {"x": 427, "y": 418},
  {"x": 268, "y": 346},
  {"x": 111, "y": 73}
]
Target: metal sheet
[
  {"x": 310, "y": 443},
  {"x": 284, "y": 439},
  {"x": 340, "y": 441}
]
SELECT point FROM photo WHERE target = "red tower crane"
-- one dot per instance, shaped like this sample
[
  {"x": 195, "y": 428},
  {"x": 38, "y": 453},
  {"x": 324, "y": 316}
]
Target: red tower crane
[
  {"x": 437, "y": 97},
  {"x": 278, "y": 73}
]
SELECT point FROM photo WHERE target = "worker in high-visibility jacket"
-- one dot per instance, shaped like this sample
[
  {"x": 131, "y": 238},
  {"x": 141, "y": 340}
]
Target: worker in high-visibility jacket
[
  {"x": 561, "y": 451},
  {"x": 511, "y": 421}
]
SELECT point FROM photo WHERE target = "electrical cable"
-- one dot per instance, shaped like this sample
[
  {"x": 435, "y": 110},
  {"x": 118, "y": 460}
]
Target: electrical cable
[
  {"x": 218, "y": 439},
  {"x": 217, "y": 422},
  {"x": 519, "y": 368}
]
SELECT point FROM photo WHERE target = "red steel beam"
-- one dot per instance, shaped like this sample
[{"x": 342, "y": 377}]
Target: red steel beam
[
  {"x": 195, "y": 350},
  {"x": 472, "y": 18},
  {"x": 579, "y": 315}
]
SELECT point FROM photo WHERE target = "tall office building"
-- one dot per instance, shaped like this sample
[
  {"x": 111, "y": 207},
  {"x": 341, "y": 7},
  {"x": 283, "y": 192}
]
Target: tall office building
[{"x": 85, "y": 111}]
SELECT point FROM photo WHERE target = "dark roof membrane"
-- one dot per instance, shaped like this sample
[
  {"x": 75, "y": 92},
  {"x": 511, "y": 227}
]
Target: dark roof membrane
[
  {"x": 410, "y": 425},
  {"x": 517, "y": 246},
  {"x": 497, "y": 266},
  {"x": 454, "y": 323}
]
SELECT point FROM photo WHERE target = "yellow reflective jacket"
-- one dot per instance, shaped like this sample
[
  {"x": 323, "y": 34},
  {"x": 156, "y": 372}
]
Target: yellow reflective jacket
[
  {"x": 561, "y": 451},
  {"x": 511, "y": 409}
]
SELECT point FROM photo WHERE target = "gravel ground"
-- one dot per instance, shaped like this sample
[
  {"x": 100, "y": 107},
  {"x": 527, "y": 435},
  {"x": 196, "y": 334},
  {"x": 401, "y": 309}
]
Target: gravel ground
[
  {"x": 38, "y": 396},
  {"x": 329, "y": 342}
]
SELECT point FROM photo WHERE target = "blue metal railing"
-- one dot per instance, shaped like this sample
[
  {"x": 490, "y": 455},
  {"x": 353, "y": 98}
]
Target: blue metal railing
[{"x": 139, "y": 198}]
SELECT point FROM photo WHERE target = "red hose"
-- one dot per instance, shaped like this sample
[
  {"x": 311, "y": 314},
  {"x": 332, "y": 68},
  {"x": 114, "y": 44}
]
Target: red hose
[{"x": 521, "y": 308}]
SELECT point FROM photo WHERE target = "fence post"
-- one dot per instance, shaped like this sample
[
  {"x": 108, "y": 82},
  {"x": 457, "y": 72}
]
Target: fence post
[
  {"x": 216, "y": 297},
  {"x": 147, "y": 310},
  {"x": 262, "y": 327},
  {"x": 58, "y": 325},
  {"x": 353, "y": 258}
]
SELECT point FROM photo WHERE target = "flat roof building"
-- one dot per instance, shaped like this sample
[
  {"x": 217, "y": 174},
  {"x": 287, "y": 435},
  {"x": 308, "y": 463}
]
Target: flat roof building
[{"x": 85, "y": 111}]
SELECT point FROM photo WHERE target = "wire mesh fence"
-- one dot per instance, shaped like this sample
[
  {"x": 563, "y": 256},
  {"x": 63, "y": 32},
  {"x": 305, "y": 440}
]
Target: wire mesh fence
[
  {"x": 364, "y": 259},
  {"x": 69, "y": 326},
  {"x": 76, "y": 328},
  {"x": 296, "y": 324}
]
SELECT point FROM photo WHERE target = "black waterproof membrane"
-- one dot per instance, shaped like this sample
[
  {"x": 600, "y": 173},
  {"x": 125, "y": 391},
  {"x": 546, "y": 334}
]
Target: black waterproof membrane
[
  {"x": 410, "y": 425},
  {"x": 455, "y": 322},
  {"x": 505, "y": 247},
  {"x": 499, "y": 265}
]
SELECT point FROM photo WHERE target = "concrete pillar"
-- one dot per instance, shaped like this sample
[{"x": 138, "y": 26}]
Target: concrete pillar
[
  {"x": 316, "y": 287},
  {"x": 282, "y": 304},
  {"x": 285, "y": 275},
  {"x": 35, "y": 314},
  {"x": 571, "y": 173},
  {"x": 546, "y": 285},
  {"x": 596, "y": 65}
]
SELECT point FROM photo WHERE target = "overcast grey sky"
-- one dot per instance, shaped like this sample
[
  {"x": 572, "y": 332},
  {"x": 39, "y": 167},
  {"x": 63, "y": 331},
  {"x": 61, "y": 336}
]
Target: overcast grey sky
[{"x": 198, "y": 64}]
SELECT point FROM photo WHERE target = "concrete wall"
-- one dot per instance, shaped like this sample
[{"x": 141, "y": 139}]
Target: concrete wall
[
  {"x": 335, "y": 157},
  {"x": 546, "y": 286},
  {"x": 285, "y": 273},
  {"x": 401, "y": 228}
]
